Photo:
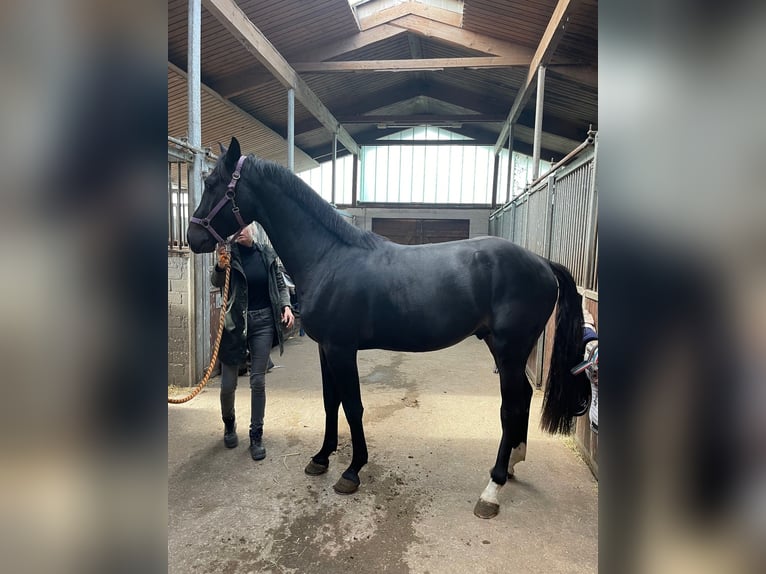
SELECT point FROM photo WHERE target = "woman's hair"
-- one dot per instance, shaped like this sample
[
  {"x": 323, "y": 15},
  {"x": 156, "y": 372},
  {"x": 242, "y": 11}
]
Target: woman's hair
[{"x": 251, "y": 228}]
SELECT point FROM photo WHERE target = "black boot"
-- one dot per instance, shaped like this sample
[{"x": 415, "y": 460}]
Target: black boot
[
  {"x": 230, "y": 433},
  {"x": 256, "y": 447}
]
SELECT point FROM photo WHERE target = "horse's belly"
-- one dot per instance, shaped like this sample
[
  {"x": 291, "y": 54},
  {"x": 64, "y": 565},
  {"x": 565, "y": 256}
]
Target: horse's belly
[
  {"x": 418, "y": 334},
  {"x": 419, "y": 345}
]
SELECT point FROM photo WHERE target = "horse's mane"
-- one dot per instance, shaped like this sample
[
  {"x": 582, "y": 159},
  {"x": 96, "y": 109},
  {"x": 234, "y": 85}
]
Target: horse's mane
[{"x": 300, "y": 192}]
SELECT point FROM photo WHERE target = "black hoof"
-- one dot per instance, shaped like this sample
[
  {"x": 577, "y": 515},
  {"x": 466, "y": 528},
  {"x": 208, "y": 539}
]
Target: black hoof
[
  {"x": 345, "y": 486},
  {"x": 485, "y": 509},
  {"x": 314, "y": 469}
]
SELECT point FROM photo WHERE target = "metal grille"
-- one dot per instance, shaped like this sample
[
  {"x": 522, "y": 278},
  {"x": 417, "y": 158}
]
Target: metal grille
[
  {"x": 537, "y": 218},
  {"x": 569, "y": 223},
  {"x": 178, "y": 204},
  {"x": 558, "y": 219},
  {"x": 519, "y": 234}
]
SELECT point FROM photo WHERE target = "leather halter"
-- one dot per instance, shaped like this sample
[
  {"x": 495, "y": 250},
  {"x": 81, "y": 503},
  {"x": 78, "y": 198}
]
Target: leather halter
[{"x": 228, "y": 196}]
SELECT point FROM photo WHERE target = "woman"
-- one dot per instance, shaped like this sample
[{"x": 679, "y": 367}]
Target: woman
[{"x": 257, "y": 296}]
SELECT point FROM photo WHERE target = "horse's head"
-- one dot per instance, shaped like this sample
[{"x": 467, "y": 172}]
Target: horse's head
[{"x": 217, "y": 215}]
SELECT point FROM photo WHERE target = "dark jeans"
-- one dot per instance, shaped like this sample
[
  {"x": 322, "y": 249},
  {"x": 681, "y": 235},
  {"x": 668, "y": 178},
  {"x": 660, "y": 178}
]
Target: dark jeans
[{"x": 260, "y": 334}]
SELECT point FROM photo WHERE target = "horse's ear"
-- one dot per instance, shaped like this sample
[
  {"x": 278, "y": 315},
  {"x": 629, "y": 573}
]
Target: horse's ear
[
  {"x": 222, "y": 148},
  {"x": 232, "y": 154}
]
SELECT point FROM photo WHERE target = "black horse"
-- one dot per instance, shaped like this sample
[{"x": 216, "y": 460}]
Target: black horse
[{"x": 360, "y": 291}]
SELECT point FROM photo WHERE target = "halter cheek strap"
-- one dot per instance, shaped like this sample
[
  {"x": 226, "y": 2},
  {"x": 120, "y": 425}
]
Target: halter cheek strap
[{"x": 228, "y": 196}]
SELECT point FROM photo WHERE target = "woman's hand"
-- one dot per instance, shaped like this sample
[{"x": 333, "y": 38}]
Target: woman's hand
[
  {"x": 288, "y": 318},
  {"x": 224, "y": 257}
]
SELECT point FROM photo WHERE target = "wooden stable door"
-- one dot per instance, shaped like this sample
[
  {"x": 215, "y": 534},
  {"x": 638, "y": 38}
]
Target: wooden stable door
[{"x": 419, "y": 231}]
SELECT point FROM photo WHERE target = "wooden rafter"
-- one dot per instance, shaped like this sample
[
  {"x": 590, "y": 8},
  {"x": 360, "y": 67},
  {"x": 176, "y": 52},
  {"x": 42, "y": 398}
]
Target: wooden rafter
[
  {"x": 235, "y": 20},
  {"x": 424, "y": 64},
  {"x": 353, "y": 105},
  {"x": 416, "y": 26},
  {"x": 456, "y": 36},
  {"x": 492, "y": 106},
  {"x": 545, "y": 50},
  {"x": 241, "y": 82},
  {"x": 405, "y": 8},
  {"x": 418, "y": 119},
  {"x": 349, "y": 44}
]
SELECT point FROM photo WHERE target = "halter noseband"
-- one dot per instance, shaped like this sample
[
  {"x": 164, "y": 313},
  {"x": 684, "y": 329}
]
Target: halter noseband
[{"x": 228, "y": 196}]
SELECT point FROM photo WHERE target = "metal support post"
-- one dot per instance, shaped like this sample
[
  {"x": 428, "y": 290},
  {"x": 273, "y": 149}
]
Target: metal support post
[
  {"x": 199, "y": 300},
  {"x": 334, "y": 164},
  {"x": 354, "y": 185},
  {"x": 291, "y": 129},
  {"x": 538, "y": 122},
  {"x": 592, "y": 214},
  {"x": 509, "y": 191}
]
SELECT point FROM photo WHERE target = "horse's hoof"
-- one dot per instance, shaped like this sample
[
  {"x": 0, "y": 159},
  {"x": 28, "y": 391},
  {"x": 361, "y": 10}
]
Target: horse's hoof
[
  {"x": 484, "y": 509},
  {"x": 345, "y": 486},
  {"x": 314, "y": 469}
]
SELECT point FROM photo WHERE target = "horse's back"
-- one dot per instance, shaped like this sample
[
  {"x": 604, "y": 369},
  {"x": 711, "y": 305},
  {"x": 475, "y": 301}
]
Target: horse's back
[{"x": 425, "y": 297}]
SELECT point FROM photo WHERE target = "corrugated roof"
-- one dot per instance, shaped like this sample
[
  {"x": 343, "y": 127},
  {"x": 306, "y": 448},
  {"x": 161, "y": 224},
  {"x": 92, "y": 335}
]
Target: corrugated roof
[{"x": 302, "y": 30}]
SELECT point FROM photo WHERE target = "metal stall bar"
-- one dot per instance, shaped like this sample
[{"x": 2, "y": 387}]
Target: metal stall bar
[
  {"x": 170, "y": 204},
  {"x": 592, "y": 222},
  {"x": 199, "y": 302},
  {"x": 179, "y": 185},
  {"x": 538, "y": 122},
  {"x": 509, "y": 183}
]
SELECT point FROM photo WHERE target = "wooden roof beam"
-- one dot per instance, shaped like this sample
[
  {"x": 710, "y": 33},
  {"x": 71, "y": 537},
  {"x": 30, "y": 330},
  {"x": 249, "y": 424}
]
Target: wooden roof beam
[
  {"x": 545, "y": 50},
  {"x": 405, "y": 8},
  {"x": 421, "y": 65},
  {"x": 235, "y": 20},
  {"x": 349, "y": 44},
  {"x": 461, "y": 38},
  {"x": 241, "y": 82},
  {"x": 418, "y": 119},
  {"x": 489, "y": 105},
  {"x": 353, "y": 105},
  {"x": 418, "y": 27}
]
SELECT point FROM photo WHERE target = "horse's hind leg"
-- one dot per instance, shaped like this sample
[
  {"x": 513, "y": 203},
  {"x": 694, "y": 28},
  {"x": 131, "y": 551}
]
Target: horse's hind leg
[
  {"x": 518, "y": 453},
  {"x": 514, "y": 415},
  {"x": 321, "y": 460}
]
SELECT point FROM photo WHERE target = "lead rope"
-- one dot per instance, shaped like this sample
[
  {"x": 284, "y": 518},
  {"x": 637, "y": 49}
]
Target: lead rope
[{"x": 214, "y": 357}]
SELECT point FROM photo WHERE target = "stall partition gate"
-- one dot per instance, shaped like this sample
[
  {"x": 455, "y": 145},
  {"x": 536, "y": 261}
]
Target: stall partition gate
[{"x": 557, "y": 218}]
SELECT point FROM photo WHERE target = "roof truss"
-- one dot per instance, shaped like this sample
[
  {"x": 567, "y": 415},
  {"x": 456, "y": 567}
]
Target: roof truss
[
  {"x": 235, "y": 20},
  {"x": 405, "y": 8},
  {"x": 550, "y": 40}
]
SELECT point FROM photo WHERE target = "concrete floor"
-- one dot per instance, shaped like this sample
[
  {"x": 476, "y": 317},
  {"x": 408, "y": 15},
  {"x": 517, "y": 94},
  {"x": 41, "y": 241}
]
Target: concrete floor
[{"x": 432, "y": 427}]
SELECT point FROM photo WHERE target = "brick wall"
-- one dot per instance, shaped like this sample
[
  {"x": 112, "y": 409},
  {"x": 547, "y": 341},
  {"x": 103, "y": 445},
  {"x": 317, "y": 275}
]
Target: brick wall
[{"x": 179, "y": 373}]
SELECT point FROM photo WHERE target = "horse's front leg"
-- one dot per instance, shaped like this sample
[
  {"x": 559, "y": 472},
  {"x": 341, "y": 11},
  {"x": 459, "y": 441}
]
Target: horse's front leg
[
  {"x": 514, "y": 417},
  {"x": 320, "y": 462}
]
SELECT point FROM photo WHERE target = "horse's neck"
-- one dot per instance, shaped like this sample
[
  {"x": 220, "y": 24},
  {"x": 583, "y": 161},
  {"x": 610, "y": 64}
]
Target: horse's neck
[{"x": 298, "y": 238}]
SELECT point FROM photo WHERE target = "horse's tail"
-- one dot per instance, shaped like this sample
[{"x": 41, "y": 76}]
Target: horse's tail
[{"x": 566, "y": 395}]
